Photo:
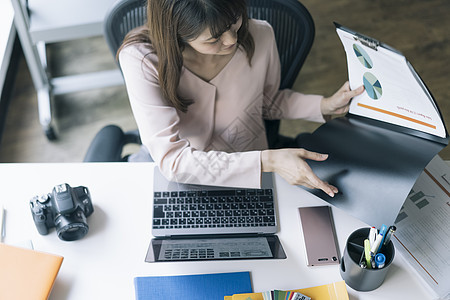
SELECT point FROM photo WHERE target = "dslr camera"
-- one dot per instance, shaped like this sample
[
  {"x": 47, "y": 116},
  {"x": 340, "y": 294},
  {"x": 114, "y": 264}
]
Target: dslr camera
[{"x": 66, "y": 209}]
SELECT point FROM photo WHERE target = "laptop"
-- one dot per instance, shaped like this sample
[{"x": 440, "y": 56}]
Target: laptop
[{"x": 198, "y": 222}]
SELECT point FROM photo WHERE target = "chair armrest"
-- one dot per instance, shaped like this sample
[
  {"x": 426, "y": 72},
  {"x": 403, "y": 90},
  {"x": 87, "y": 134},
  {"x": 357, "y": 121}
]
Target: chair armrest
[{"x": 107, "y": 145}]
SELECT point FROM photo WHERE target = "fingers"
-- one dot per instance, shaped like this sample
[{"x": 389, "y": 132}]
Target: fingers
[
  {"x": 329, "y": 189},
  {"x": 339, "y": 103},
  {"x": 311, "y": 180},
  {"x": 345, "y": 87},
  {"x": 355, "y": 92},
  {"x": 316, "y": 183},
  {"x": 348, "y": 93},
  {"x": 305, "y": 154},
  {"x": 291, "y": 165}
]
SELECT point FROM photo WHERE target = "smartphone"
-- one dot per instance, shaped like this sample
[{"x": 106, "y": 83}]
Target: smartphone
[{"x": 319, "y": 235}]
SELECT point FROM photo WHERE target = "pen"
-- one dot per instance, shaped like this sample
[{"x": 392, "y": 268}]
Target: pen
[
  {"x": 2, "y": 213},
  {"x": 389, "y": 234},
  {"x": 367, "y": 253},
  {"x": 372, "y": 235},
  {"x": 372, "y": 260},
  {"x": 383, "y": 231},
  {"x": 376, "y": 244}
]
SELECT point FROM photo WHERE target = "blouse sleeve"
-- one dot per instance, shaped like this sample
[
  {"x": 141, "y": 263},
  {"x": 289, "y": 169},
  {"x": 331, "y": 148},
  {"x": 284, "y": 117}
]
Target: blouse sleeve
[
  {"x": 158, "y": 124},
  {"x": 286, "y": 103}
]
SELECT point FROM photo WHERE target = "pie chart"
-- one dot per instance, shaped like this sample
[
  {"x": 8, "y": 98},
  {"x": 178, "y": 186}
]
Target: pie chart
[
  {"x": 362, "y": 56},
  {"x": 372, "y": 86}
]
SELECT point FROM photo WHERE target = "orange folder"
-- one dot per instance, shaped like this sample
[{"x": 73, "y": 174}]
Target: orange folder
[{"x": 27, "y": 274}]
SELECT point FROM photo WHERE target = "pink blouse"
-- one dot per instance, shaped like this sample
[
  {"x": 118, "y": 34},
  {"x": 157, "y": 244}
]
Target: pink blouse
[{"x": 219, "y": 140}]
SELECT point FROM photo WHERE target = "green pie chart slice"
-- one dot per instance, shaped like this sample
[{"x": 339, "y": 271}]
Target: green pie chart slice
[
  {"x": 362, "y": 56},
  {"x": 372, "y": 86}
]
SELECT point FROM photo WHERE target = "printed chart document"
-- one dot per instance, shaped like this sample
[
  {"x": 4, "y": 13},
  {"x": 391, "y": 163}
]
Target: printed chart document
[
  {"x": 394, "y": 92},
  {"x": 423, "y": 228},
  {"x": 392, "y": 131}
]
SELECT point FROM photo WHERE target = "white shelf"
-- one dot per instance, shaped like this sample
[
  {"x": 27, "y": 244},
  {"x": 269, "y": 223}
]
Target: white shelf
[
  {"x": 7, "y": 35},
  {"x": 56, "y": 20},
  {"x": 48, "y": 21}
]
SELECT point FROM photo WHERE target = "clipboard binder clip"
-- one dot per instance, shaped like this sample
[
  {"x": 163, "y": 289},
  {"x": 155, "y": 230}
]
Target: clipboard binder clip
[{"x": 367, "y": 41}]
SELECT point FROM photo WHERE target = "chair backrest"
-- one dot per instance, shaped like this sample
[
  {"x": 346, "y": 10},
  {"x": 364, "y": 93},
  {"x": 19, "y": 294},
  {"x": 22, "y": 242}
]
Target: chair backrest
[
  {"x": 293, "y": 27},
  {"x": 294, "y": 33},
  {"x": 122, "y": 17}
]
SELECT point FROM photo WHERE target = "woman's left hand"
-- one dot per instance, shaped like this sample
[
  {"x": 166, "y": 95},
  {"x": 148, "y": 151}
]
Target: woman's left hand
[{"x": 339, "y": 103}]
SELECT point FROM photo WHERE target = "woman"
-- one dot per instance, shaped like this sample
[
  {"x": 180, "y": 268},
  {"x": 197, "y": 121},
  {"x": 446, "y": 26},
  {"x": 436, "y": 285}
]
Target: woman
[{"x": 201, "y": 77}]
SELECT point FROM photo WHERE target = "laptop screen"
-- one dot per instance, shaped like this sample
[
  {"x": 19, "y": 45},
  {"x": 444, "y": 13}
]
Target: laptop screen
[{"x": 215, "y": 248}]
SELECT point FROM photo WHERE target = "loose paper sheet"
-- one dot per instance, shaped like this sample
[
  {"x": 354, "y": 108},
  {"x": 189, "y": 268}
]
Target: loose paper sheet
[{"x": 423, "y": 235}]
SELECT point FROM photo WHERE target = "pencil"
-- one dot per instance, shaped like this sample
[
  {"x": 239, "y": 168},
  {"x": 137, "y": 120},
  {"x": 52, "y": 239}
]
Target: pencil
[{"x": 1, "y": 222}]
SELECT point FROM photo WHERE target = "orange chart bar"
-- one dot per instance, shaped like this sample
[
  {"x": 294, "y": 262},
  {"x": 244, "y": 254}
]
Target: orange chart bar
[
  {"x": 437, "y": 182},
  {"x": 396, "y": 115}
]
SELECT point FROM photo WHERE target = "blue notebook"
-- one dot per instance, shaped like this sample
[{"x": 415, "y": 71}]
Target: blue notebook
[{"x": 192, "y": 287}]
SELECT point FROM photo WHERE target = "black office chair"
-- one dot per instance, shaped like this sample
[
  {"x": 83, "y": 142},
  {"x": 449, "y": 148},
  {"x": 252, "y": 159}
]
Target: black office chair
[{"x": 294, "y": 33}]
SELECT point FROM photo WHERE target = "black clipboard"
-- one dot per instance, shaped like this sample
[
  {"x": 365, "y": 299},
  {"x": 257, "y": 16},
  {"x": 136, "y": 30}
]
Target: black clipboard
[{"x": 373, "y": 163}]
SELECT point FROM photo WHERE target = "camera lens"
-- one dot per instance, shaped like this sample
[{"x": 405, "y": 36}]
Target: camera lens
[
  {"x": 71, "y": 227},
  {"x": 72, "y": 232}
]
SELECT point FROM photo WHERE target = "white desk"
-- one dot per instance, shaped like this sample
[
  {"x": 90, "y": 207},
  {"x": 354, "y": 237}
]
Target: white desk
[{"x": 103, "y": 264}]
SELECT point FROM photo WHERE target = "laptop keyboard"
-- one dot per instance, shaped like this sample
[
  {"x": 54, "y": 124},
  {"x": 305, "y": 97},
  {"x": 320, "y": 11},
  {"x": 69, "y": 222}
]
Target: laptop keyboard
[
  {"x": 214, "y": 248},
  {"x": 213, "y": 209}
]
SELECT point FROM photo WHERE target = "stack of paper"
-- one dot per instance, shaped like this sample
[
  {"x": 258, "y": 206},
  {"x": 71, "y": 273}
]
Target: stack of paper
[
  {"x": 284, "y": 295},
  {"x": 332, "y": 291}
]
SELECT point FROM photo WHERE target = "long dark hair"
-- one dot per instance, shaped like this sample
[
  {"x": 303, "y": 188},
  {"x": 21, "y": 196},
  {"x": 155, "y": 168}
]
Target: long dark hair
[{"x": 173, "y": 23}]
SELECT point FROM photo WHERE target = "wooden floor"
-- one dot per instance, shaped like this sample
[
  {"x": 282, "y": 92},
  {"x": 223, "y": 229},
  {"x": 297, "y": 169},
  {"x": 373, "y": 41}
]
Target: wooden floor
[{"x": 419, "y": 29}]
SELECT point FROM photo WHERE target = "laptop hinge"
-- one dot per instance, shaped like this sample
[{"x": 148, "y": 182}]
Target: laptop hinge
[{"x": 216, "y": 235}]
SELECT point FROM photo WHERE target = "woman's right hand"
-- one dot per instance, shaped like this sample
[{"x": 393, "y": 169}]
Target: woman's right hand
[{"x": 291, "y": 165}]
